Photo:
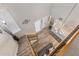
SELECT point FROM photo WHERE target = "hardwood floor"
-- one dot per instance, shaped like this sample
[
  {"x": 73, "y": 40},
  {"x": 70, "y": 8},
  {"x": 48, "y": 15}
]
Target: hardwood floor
[{"x": 44, "y": 39}]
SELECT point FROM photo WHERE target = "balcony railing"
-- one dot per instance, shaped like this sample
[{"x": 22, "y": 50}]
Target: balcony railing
[{"x": 60, "y": 49}]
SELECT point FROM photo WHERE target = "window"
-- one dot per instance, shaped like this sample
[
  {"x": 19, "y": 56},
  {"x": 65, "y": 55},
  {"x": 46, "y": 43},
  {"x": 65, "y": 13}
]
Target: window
[{"x": 41, "y": 23}]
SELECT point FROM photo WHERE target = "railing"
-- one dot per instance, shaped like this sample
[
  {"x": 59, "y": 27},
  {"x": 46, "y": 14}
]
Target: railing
[{"x": 60, "y": 49}]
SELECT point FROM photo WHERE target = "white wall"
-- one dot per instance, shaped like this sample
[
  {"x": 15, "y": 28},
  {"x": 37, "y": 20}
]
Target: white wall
[
  {"x": 32, "y": 11},
  {"x": 11, "y": 25},
  {"x": 37, "y": 11},
  {"x": 61, "y": 11},
  {"x": 8, "y": 46},
  {"x": 73, "y": 19}
]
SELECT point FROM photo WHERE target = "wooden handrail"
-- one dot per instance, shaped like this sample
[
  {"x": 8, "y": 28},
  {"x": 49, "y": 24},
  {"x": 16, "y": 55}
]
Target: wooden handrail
[
  {"x": 63, "y": 43},
  {"x": 64, "y": 48}
]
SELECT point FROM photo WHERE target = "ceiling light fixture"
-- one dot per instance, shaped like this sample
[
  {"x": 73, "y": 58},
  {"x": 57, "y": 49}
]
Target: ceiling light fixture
[{"x": 26, "y": 21}]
